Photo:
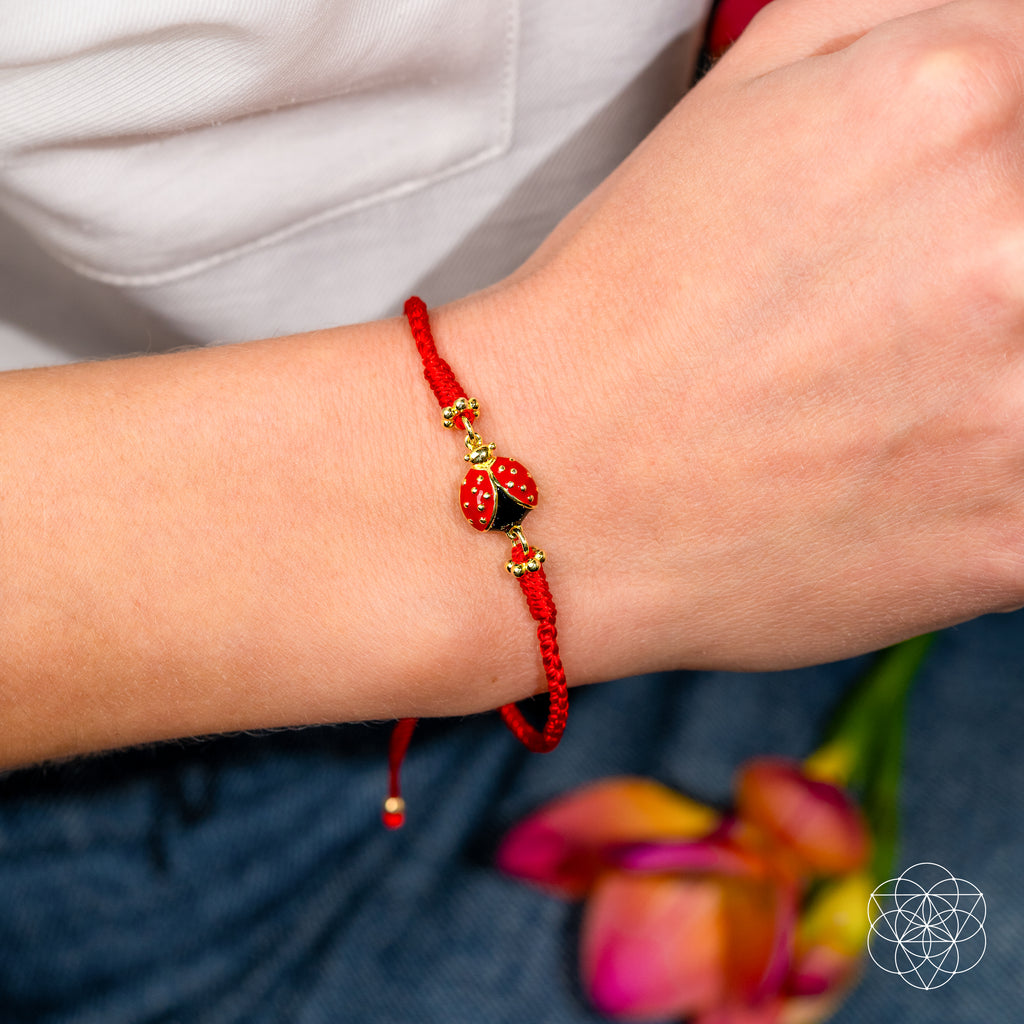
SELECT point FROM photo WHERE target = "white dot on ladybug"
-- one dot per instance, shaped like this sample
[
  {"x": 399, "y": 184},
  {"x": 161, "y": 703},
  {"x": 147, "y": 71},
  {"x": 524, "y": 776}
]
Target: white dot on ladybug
[
  {"x": 512, "y": 471},
  {"x": 473, "y": 489},
  {"x": 529, "y": 497},
  {"x": 501, "y": 469},
  {"x": 465, "y": 504},
  {"x": 479, "y": 480},
  {"x": 479, "y": 508},
  {"x": 486, "y": 494},
  {"x": 482, "y": 520}
]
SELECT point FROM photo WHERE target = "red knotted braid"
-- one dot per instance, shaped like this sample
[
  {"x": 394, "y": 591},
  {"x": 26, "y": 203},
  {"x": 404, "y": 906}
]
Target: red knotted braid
[
  {"x": 526, "y": 564},
  {"x": 538, "y": 598},
  {"x": 440, "y": 376}
]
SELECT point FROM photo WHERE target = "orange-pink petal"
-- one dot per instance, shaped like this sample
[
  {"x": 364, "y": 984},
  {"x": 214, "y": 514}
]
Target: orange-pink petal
[
  {"x": 653, "y": 946},
  {"x": 712, "y": 854},
  {"x": 820, "y": 970},
  {"x": 815, "y": 820},
  {"x": 810, "y": 1009},
  {"x": 562, "y": 846},
  {"x": 734, "y": 1013},
  {"x": 760, "y": 920}
]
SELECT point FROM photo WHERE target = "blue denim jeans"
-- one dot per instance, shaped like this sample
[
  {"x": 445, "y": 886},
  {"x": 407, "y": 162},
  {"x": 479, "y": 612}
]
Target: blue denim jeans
[{"x": 248, "y": 879}]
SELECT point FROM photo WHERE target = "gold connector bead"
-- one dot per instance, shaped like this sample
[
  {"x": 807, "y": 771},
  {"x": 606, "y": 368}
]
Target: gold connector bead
[
  {"x": 450, "y": 413},
  {"x": 394, "y": 805}
]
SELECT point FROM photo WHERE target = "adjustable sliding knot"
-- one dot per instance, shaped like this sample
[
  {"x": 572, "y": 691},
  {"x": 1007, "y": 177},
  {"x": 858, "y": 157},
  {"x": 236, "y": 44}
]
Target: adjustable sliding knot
[{"x": 497, "y": 493}]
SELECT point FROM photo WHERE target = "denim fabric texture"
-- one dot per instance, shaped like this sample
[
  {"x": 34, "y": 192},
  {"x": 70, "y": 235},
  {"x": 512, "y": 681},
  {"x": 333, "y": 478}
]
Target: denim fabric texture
[{"x": 248, "y": 879}]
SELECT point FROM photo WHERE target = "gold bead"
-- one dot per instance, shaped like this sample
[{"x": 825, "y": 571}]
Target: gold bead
[
  {"x": 508, "y": 566},
  {"x": 518, "y": 570},
  {"x": 533, "y": 565},
  {"x": 540, "y": 556},
  {"x": 394, "y": 805},
  {"x": 460, "y": 404}
]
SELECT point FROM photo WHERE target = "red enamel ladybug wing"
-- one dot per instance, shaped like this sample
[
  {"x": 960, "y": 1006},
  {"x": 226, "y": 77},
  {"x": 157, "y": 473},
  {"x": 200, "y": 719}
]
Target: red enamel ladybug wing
[
  {"x": 514, "y": 479},
  {"x": 477, "y": 498}
]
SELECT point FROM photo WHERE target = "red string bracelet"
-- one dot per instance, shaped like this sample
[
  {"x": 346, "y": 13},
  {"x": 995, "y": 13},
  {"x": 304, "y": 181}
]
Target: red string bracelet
[{"x": 496, "y": 494}]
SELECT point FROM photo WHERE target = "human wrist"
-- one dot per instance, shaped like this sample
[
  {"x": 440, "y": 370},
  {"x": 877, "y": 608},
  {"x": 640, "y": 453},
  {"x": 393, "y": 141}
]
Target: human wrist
[
  {"x": 232, "y": 538},
  {"x": 554, "y": 377}
]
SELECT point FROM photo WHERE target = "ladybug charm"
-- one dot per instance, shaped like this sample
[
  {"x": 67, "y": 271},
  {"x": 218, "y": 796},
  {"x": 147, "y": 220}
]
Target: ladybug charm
[{"x": 497, "y": 493}]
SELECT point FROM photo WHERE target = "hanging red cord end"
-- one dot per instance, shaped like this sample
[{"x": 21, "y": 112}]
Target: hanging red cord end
[{"x": 393, "y": 814}]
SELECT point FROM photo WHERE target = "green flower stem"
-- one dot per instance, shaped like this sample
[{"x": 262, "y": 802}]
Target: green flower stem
[{"x": 863, "y": 749}]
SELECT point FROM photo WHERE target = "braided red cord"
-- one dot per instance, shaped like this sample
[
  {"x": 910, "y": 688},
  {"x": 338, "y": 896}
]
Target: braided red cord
[
  {"x": 534, "y": 585},
  {"x": 538, "y": 598},
  {"x": 439, "y": 374}
]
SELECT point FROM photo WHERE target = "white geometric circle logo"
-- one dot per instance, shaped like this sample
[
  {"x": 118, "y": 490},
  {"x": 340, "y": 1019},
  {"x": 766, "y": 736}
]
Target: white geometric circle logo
[{"x": 926, "y": 925}]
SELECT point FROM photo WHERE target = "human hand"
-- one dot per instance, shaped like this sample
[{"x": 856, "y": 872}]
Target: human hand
[{"x": 781, "y": 350}]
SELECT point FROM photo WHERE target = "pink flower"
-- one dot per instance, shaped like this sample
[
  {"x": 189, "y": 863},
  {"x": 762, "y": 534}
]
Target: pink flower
[
  {"x": 690, "y": 913},
  {"x": 815, "y": 820}
]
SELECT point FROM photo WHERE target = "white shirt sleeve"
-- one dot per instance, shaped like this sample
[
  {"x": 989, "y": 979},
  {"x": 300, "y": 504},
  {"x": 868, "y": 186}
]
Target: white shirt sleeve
[{"x": 238, "y": 168}]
